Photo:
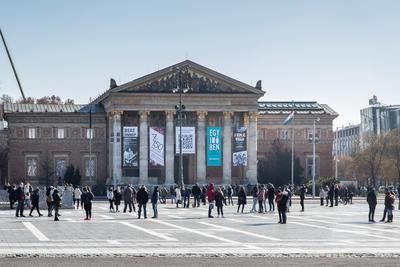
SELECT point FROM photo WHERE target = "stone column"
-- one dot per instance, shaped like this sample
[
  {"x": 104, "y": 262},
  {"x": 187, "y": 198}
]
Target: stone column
[
  {"x": 169, "y": 148},
  {"x": 144, "y": 148},
  {"x": 116, "y": 146},
  {"x": 227, "y": 149},
  {"x": 252, "y": 148},
  {"x": 201, "y": 147}
]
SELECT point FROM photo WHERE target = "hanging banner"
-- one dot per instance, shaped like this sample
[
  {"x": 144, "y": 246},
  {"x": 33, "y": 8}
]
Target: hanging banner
[
  {"x": 214, "y": 146},
  {"x": 130, "y": 144},
  {"x": 188, "y": 140},
  {"x": 156, "y": 144},
  {"x": 239, "y": 147}
]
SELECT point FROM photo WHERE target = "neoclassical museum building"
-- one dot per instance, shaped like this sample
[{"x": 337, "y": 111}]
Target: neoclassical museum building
[{"x": 131, "y": 132}]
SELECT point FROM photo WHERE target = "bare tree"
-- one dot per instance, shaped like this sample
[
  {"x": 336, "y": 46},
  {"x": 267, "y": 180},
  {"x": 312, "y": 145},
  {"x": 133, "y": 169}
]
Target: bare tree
[
  {"x": 371, "y": 158},
  {"x": 393, "y": 151}
]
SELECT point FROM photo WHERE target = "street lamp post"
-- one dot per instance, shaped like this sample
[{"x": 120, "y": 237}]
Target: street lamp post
[
  {"x": 313, "y": 166},
  {"x": 180, "y": 109}
]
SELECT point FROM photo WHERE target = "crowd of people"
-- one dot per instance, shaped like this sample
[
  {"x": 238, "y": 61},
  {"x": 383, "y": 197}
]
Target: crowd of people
[{"x": 24, "y": 196}]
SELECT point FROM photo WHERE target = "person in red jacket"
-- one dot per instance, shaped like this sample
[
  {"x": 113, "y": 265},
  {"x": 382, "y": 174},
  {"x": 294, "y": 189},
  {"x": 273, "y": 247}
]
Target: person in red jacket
[{"x": 211, "y": 198}]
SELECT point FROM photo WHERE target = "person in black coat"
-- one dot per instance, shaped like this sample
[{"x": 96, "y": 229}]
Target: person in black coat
[
  {"x": 56, "y": 203},
  {"x": 142, "y": 198},
  {"x": 203, "y": 194},
  {"x": 303, "y": 191},
  {"x": 86, "y": 199},
  {"x": 336, "y": 195},
  {"x": 219, "y": 201},
  {"x": 271, "y": 196},
  {"x": 196, "y": 191},
  {"x": 117, "y": 198},
  {"x": 242, "y": 198},
  {"x": 20, "y": 196},
  {"x": 331, "y": 194},
  {"x": 35, "y": 202},
  {"x": 11, "y": 195},
  {"x": 371, "y": 199}
]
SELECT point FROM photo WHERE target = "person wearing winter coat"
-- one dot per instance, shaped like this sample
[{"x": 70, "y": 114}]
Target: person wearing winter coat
[
  {"x": 271, "y": 196},
  {"x": 178, "y": 195},
  {"x": 20, "y": 196},
  {"x": 389, "y": 205},
  {"x": 322, "y": 195},
  {"x": 203, "y": 195},
  {"x": 371, "y": 200},
  {"x": 186, "y": 197},
  {"x": 142, "y": 198},
  {"x": 117, "y": 198},
  {"x": 331, "y": 194},
  {"x": 242, "y": 199},
  {"x": 128, "y": 195},
  {"x": 35, "y": 202},
  {"x": 110, "y": 197},
  {"x": 219, "y": 202},
  {"x": 282, "y": 206},
  {"x": 303, "y": 191},
  {"x": 56, "y": 203},
  {"x": 261, "y": 198},
  {"x": 87, "y": 198},
  {"x": 154, "y": 201},
  {"x": 254, "y": 193},
  {"x": 211, "y": 199},
  {"x": 230, "y": 194},
  {"x": 336, "y": 195},
  {"x": 11, "y": 195},
  {"x": 196, "y": 191},
  {"x": 77, "y": 196}
]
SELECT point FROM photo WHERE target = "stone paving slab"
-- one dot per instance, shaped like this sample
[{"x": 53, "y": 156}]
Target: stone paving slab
[{"x": 318, "y": 232}]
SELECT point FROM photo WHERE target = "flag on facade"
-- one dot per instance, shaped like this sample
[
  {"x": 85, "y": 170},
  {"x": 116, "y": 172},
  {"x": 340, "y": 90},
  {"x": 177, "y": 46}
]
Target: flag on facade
[{"x": 289, "y": 119}]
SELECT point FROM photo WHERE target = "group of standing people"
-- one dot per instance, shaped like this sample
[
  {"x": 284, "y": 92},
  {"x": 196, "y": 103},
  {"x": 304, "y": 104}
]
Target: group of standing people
[{"x": 132, "y": 197}]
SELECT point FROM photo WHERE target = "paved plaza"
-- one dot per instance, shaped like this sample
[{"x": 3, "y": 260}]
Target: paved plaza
[{"x": 320, "y": 231}]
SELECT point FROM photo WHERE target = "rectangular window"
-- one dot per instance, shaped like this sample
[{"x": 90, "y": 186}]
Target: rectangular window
[
  {"x": 310, "y": 136},
  {"x": 60, "y": 133},
  {"x": 89, "y": 133},
  {"x": 284, "y": 134},
  {"x": 31, "y": 133}
]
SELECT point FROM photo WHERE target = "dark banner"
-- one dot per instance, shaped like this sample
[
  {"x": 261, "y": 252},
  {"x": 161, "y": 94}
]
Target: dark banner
[
  {"x": 130, "y": 145},
  {"x": 239, "y": 147}
]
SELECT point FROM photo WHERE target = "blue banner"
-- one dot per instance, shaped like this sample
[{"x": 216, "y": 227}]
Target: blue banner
[{"x": 214, "y": 144}]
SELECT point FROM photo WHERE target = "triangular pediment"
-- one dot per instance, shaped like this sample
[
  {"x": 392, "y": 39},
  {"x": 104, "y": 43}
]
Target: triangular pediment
[{"x": 187, "y": 74}]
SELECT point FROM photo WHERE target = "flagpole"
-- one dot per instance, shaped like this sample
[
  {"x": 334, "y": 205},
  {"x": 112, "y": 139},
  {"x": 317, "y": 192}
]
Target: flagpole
[{"x": 293, "y": 144}]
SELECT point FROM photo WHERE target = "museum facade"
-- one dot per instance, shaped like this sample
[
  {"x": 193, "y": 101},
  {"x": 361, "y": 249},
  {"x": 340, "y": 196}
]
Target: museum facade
[{"x": 131, "y": 132}]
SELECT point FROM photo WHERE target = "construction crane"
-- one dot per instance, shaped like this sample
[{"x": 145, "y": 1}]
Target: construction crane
[{"x": 12, "y": 65}]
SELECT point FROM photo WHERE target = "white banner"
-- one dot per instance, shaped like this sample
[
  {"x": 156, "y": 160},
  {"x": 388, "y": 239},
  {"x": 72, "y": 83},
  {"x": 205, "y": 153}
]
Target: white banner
[
  {"x": 156, "y": 144},
  {"x": 188, "y": 140}
]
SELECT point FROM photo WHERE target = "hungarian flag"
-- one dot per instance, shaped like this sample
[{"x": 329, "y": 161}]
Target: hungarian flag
[{"x": 289, "y": 119}]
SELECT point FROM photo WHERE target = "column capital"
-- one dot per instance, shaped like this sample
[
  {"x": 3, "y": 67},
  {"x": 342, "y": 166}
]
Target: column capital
[
  {"x": 169, "y": 114},
  {"x": 246, "y": 118},
  {"x": 253, "y": 115},
  {"x": 228, "y": 115},
  {"x": 201, "y": 115},
  {"x": 143, "y": 115},
  {"x": 116, "y": 113}
]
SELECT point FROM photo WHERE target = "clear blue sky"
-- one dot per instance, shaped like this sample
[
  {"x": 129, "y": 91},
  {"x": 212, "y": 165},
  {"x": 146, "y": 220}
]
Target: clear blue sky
[{"x": 335, "y": 52}]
